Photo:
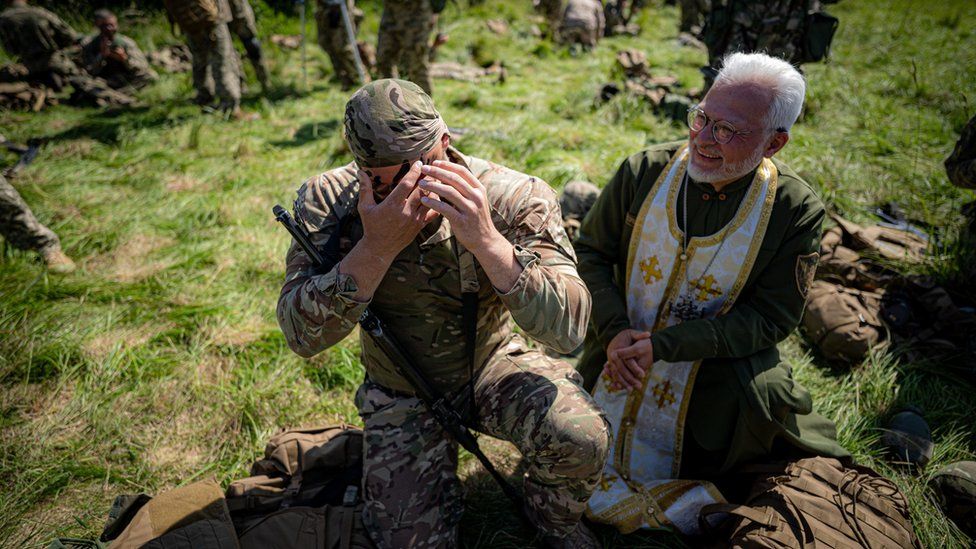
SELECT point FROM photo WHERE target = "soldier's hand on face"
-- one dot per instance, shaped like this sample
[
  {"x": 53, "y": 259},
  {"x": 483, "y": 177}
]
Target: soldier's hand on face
[
  {"x": 388, "y": 227},
  {"x": 464, "y": 202},
  {"x": 629, "y": 356}
]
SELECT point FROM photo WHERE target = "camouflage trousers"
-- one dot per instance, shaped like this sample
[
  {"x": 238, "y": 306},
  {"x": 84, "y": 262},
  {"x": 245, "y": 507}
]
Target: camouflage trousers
[
  {"x": 58, "y": 70},
  {"x": 333, "y": 40},
  {"x": 18, "y": 224},
  {"x": 410, "y": 483},
  {"x": 215, "y": 66},
  {"x": 244, "y": 26},
  {"x": 404, "y": 41}
]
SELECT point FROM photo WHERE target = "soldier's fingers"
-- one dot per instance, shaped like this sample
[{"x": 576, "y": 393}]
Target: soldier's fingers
[
  {"x": 630, "y": 378},
  {"x": 407, "y": 183},
  {"x": 446, "y": 191},
  {"x": 451, "y": 179},
  {"x": 442, "y": 208},
  {"x": 430, "y": 216},
  {"x": 366, "y": 198},
  {"x": 460, "y": 170}
]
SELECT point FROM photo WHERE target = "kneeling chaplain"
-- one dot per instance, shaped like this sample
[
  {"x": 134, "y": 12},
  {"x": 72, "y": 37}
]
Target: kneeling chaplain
[
  {"x": 420, "y": 224},
  {"x": 699, "y": 255}
]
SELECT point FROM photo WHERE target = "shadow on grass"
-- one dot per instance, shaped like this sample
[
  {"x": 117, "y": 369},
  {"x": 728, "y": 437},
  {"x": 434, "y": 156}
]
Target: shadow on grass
[
  {"x": 312, "y": 131},
  {"x": 491, "y": 520},
  {"x": 106, "y": 126}
]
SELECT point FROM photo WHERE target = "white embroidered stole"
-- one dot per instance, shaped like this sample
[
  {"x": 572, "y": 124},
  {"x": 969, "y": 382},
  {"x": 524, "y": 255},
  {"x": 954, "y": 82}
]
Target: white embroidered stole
[{"x": 638, "y": 489}]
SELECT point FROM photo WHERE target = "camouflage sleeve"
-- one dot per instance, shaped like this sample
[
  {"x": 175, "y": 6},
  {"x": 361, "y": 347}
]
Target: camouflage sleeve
[
  {"x": 549, "y": 301},
  {"x": 137, "y": 61},
  {"x": 961, "y": 164},
  {"x": 315, "y": 310},
  {"x": 63, "y": 34}
]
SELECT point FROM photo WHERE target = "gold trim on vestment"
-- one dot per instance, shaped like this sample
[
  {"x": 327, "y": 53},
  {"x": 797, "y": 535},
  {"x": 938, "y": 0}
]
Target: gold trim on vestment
[
  {"x": 767, "y": 212},
  {"x": 636, "y": 231}
]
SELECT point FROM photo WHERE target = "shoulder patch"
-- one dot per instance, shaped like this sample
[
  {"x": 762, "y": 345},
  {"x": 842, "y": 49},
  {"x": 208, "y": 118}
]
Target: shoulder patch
[{"x": 806, "y": 269}]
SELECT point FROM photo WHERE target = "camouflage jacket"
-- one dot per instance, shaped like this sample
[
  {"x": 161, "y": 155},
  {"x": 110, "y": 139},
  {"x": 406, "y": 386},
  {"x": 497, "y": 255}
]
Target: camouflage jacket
[
  {"x": 420, "y": 296},
  {"x": 136, "y": 65},
  {"x": 961, "y": 164},
  {"x": 31, "y": 33}
]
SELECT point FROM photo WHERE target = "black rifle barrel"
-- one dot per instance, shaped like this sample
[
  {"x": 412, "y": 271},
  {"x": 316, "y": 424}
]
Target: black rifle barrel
[{"x": 439, "y": 406}]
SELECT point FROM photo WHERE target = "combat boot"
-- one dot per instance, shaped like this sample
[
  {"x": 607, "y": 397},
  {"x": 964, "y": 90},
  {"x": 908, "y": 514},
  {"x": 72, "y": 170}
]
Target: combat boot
[
  {"x": 908, "y": 439},
  {"x": 955, "y": 492},
  {"x": 57, "y": 261},
  {"x": 580, "y": 538}
]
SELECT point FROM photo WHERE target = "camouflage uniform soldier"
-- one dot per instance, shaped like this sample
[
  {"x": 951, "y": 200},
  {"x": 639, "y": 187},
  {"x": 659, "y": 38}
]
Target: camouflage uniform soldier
[
  {"x": 216, "y": 66},
  {"x": 114, "y": 57},
  {"x": 773, "y": 27},
  {"x": 413, "y": 248},
  {"x": 243, "y": 25},
  {"x": 583, "y": 23},
  {"x": 404, "y": 41},
  {"x": 575, "y": 202},
  {"x": 961, "y": 164},
  {"x": 332, "y": 38},
  {"x": 22, "y": 230},
  {"x": 39, "y": 39}
]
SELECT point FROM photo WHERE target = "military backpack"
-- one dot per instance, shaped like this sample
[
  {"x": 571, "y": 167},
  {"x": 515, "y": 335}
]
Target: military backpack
[
  {"x": 817, "y": 502},
  {"x": 844, "y": 323}
]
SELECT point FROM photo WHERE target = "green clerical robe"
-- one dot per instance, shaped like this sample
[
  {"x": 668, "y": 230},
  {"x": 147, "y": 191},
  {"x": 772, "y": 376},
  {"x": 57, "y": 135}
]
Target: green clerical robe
[{"x": 744, "y": 403}]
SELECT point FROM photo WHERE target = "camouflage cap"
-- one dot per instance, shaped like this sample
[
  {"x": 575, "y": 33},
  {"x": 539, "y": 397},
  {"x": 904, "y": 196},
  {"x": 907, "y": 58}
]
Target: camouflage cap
[{"x": 391, "y": 121}]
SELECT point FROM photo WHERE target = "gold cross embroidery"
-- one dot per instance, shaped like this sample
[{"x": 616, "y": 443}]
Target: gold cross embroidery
[
  {"x": 650, "y": 268},
  {"x": 662, "y": 391},
  {"x": 606, "y": 481},
  {"x": 705, "y": 289}
]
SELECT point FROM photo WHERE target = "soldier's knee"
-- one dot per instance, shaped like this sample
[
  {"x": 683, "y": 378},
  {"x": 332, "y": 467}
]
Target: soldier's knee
[{"x": 574, "y": 443}]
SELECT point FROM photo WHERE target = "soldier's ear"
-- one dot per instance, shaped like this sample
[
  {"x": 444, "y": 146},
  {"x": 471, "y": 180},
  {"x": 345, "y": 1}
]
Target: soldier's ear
[{"x": 445, "y": 141}]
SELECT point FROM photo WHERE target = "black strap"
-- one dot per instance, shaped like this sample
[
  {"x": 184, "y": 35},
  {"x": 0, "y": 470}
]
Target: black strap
[{"x": 469, "y": 323}]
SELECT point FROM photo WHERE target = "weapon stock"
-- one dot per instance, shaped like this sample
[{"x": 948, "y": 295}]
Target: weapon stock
[{"x": 438, "y": 404}]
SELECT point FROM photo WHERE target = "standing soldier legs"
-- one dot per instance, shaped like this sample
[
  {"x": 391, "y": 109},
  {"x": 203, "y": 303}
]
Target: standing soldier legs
[
  {"x": 215, "y": 67},
  {"x": 404, "y": 41},
  {"x": 246, "y": 29},
  {"x": 332, "y": 38}
]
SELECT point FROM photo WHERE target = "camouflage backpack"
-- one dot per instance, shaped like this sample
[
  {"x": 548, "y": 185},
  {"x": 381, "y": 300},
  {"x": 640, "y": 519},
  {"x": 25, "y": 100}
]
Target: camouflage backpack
[
  {"x": 303, "y": 493},
  {"x": 817, "y": 502},
  {"x": 843, "y": 323},
  {"x": 193, "y": 15}
]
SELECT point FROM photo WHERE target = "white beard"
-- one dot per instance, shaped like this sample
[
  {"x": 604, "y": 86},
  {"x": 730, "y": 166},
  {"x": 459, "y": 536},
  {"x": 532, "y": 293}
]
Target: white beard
[{"x": 727, "y": 172}]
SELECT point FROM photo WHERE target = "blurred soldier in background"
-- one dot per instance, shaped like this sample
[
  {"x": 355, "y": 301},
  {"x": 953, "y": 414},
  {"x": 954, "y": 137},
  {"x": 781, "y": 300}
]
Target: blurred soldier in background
[
  {"x": 40, "y": 41},
  {"x": 114, "y": 57},
  {"x": 404, "y": 41},
  {"x": 243, "y": 25},
  {"x": 216, "y": 67},
  {"x": 583, "y": 23},
  {"x": 333, "y": 39}
]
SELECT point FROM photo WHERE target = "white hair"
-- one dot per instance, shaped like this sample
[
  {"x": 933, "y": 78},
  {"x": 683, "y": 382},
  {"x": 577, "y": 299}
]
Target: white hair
[{"x": 771, "y": 73}]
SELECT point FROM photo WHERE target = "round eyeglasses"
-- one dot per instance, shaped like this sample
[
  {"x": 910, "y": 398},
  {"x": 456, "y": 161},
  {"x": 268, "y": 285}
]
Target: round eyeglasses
[{"x": 722, "y": 131}]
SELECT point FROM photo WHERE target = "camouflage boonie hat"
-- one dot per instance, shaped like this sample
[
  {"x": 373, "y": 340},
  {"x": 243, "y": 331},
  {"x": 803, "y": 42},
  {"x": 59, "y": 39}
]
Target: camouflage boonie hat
[{"x": 391, "y": 121}]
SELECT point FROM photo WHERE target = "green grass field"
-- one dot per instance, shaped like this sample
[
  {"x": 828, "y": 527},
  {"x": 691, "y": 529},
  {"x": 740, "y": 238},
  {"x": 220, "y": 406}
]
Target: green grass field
[{"x": 160, "y": 362}]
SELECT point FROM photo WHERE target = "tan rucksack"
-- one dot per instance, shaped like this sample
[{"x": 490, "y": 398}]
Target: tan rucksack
[
  {"x": 193, "y": 15},
  {"x": 304, "y": 493},
  {"x": 843, "y": 323},
  {"x": 818, "y": 502}
]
